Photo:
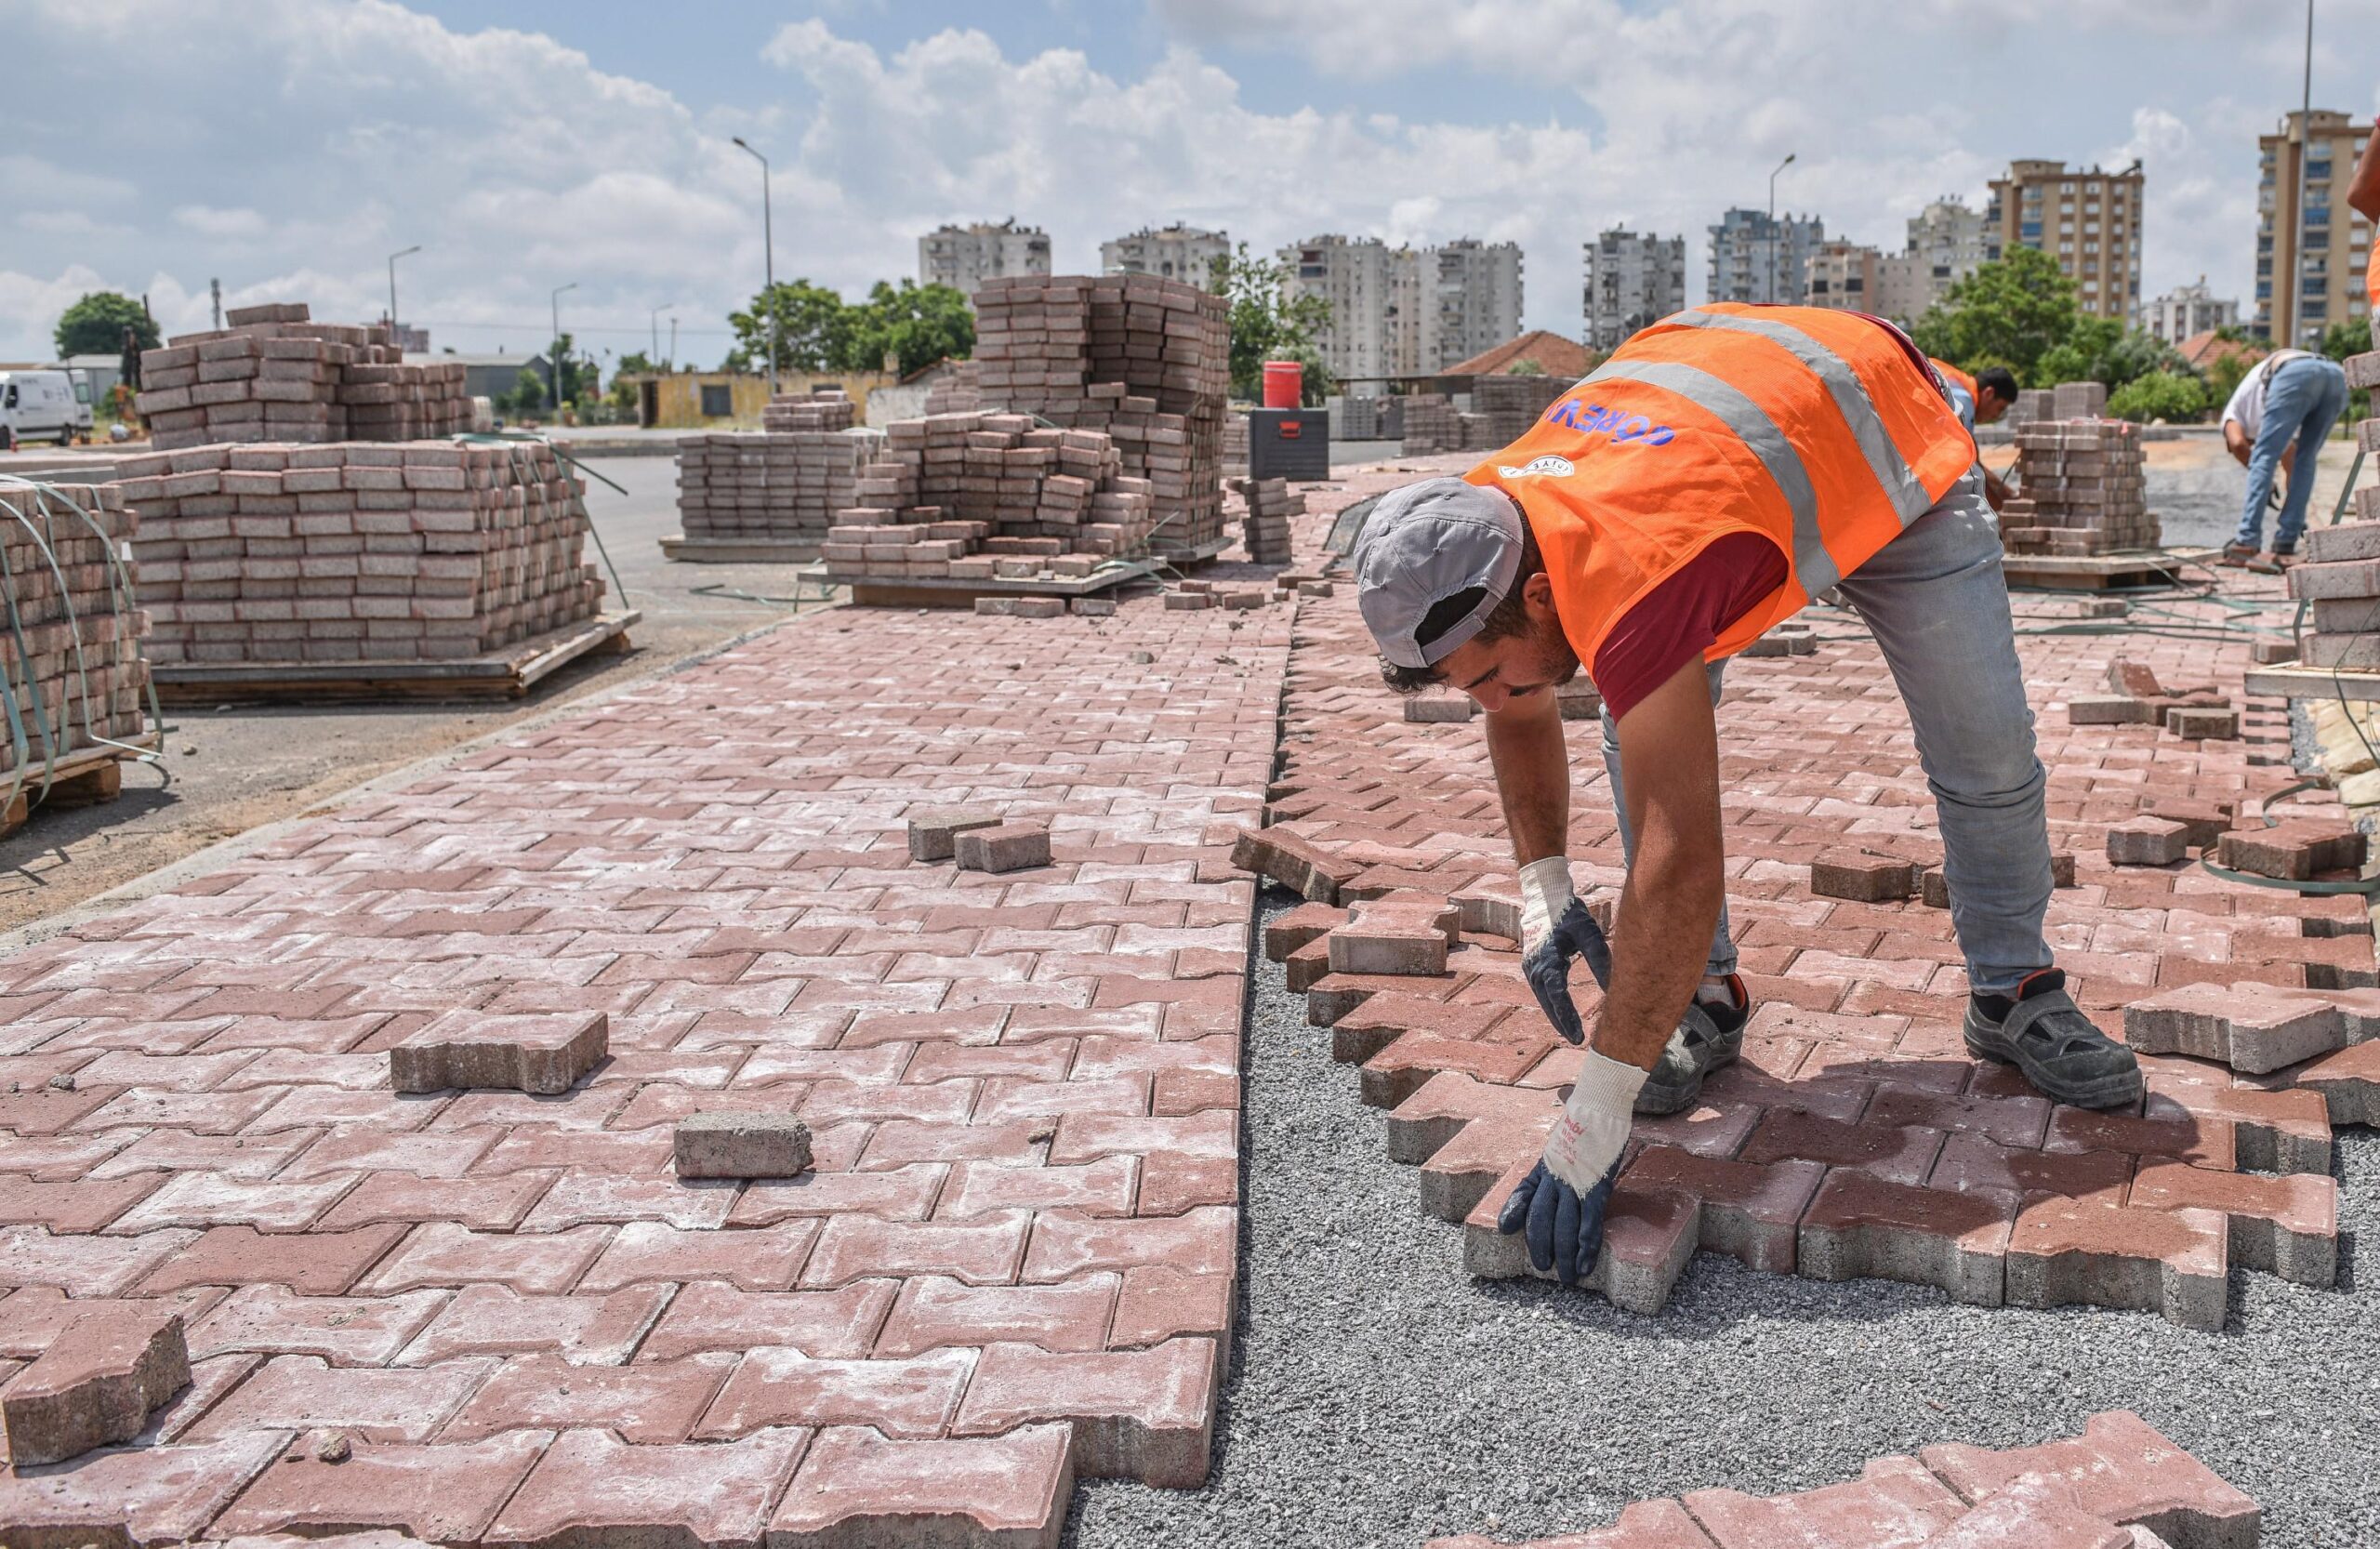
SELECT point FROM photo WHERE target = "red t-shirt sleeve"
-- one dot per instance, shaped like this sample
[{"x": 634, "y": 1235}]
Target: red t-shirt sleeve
[{"x": 1684, "y": 616}]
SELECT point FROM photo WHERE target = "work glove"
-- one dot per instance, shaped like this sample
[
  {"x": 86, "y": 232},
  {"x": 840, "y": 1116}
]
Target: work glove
[
  {"x": 1560, "y": 1205},
  {"x": 1556, "y": 927}
]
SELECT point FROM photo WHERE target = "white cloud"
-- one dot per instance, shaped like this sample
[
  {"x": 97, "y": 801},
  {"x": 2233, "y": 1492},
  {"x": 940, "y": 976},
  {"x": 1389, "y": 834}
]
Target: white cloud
[{"x": 207, "y": 221}]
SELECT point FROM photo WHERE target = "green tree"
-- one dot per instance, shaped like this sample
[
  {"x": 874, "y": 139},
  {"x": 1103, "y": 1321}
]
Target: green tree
[
  {"x": 1267, "y": 327},
  {"x": 810, "y": 321},
  {"x": 2172, "y": 396},
  {"x": 528, "y": 394},
  {"x": 633, "y": 363},
  {"x": 2014, "y": 310},
  {"x": 2226, "y": 371},
  {"x": 916, "y": 325},
  {"x": 2339, "y": 341},
  {"x": 2102, "y": 350},
  {"x": 95, "y": 325}
]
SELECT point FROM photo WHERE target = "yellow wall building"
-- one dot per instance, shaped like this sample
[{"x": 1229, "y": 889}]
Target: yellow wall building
[{"x": 732, "y": 400}]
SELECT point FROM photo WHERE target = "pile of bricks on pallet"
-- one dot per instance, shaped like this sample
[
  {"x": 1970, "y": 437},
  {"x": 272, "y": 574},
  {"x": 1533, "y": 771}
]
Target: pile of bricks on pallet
[
  {"x": 2341, "y": 573},
  {"x": 2120, "y": 1485},
  {"x": 355, "y": 552},
  {"x": 1235, "y": 442},
  {"x": 2078, "y": 401},
  {"x": 989, "y": 496},
  {"x": 1431, "y": 426},
  {"x": 72, "y": 661},
  {"x": 1144, "y": 361},
  {"x": 2080, "y": 490},
  {"x": 955, "y": 390},
  {"x": 826, "y": 409},
  {"x": 1265, "y": 530},
  {"x": 273, "y": 375},
  {"x": 1508, "y": 405},
  {"x": 1360, "y": 418},
  {"x": 783, "y": 486}
]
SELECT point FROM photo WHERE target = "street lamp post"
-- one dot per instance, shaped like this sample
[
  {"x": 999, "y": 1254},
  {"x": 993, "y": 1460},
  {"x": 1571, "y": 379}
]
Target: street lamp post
[
  {"x": 393, "y": 283},
  {"x": 553, "y": 367},
  {"x": 1772, "y": 222},
  {"x": 768, "y": 263},
  {"x": 655, "y": 320}
]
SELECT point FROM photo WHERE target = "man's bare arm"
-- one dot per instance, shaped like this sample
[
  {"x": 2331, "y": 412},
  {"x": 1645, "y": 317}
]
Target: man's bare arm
[
  {"x": 1994, "y": 490},
  {"x": 2235, "y": 441},
  {"x": 1532, "y": 763},
  {"x": 1669, "y": 754}
]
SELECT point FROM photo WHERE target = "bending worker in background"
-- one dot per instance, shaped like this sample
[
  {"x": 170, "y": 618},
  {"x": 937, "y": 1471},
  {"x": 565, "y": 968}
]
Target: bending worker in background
[
  {"x": 1982, "y": 400},
  {"x": 1724, "y": 467},
  {"x": 2274, "y": 424}
]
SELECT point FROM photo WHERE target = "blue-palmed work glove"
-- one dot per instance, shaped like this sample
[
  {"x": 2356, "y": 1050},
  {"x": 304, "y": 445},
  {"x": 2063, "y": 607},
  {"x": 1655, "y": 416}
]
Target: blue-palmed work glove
[{"x": 1561, "y": 1203}]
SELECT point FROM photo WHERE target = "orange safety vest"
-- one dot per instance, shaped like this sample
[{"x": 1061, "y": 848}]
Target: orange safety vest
[
  {"x": 1957, "y": 379},
  {"x": 1820, "y": 431}
]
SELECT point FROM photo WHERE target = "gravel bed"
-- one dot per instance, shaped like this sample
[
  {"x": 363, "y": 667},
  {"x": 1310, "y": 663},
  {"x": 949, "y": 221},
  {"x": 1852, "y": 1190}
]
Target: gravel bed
[{"x": 1380, "y": 1396}]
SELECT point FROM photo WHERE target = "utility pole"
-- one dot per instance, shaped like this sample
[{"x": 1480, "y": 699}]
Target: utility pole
[
  {"x": 769, "y": 262},
  {"x": 553, "y": 365},
  {"x": 2294, "y": 325},
  {"x": 673, "y": 341},
  {"x": 393, "y": 285},
  {"x": 1772, "y": 222},
  {"x": 215, "y": 288},
  {"x": 656, "y": 321}
]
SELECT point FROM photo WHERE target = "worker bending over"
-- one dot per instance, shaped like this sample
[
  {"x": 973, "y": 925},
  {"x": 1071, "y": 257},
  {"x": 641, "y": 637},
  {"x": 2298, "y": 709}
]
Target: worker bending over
[
  {"x": 1721, "y": 468},
  {"x": 2275, "y": 425},
  {"x": 1981, "y": 399}
]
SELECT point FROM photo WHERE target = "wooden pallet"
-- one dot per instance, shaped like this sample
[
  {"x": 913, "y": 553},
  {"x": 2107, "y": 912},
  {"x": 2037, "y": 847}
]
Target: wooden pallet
[
  {"x": 931, "y": 592},
  {"x": 736, "y": 551},
  {"x": 2142, "y": 567},
  {"x": 2296, "y": 680},
  {"x": 80, "y": 778},
  {"x": 507, "y": 674}
]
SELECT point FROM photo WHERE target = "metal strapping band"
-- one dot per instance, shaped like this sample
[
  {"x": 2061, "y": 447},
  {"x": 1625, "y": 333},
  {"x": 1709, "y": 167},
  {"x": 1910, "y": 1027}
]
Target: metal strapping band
[
  {"x": 1891, "y": 471},
  {"x": 1812, "y": 566}
]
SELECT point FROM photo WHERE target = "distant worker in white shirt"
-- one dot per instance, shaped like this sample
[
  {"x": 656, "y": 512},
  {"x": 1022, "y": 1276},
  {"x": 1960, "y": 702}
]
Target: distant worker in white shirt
[{"x": 2275, "y": 425}]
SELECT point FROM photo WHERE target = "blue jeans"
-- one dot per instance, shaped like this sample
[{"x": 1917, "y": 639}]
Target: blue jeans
[
  {"x": 2302, "y": 402},
  {"x": 1935, "y": 599}
]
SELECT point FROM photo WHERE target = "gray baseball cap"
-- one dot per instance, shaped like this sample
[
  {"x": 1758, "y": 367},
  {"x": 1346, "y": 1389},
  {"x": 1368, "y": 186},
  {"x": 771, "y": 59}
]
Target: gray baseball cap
[{"x": 1422, "y": 545}]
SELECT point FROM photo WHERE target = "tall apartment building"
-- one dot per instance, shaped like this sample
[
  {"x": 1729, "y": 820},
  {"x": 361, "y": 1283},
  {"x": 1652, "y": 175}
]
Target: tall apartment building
[
  {"x": 1631, "y": 281},
  {"x": 2329, "y": 286},
  {"x": 1373, "y": 290},
  {"x": 1753, "y": 259},
  {"x": 1842, "y": 275},
  {"x": 2088, "y": 221},
  {"x": 1947, "y": 241},
  {"x": 1178, "y": 252},
  {"x": 2187, "y": 310},
  {"x": 1470, "y": 301},
  {"x": 964, "y": 257}
]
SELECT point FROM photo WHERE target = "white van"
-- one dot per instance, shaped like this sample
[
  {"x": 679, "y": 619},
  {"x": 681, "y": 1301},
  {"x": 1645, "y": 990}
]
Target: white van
[{"x": 44, "y": 406}]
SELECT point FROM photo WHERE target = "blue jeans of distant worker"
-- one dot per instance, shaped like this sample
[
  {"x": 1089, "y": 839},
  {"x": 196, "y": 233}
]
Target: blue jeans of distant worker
[
  {"x": 2302, "y": 402},
  {"x": 1935, "y": 599}
]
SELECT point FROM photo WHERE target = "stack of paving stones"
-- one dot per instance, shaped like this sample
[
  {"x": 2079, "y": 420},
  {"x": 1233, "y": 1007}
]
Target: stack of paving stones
[
  {"x": 2032, "y": 404},
  {"x": 988, "y": 497},
  {"x": 826, "y": 409},
  {"x": 1265, "y": 529},
  {"x": 1357, "y": 418},
  {"x": 273, "y": 375},
  {"x": 1431, "y": 426},
  {"x": 1508, "y": 405},
  {"x": 1235, "y": 444},
  {"x": 1143, "y": 360},
  {"x": 954, "y": 391},
  {"x": 72, "y": 660},
  {"x": 2078, "y": 401},
  {"x": 2135, "y": 695},
  {"x": 2341, "y": 573},
  {"x": 356, "y": 551},
  {"x": 490, "y": 1315},
  {"x": 2082, "y": 490},
  {"x": 2120, "y": 1485},
  {"x": 1856, "y": 1136},
  {"x": 779, "y": 484}
]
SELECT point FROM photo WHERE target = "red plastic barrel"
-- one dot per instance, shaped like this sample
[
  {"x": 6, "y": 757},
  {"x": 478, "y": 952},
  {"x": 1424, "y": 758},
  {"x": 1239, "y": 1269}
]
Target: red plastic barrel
[{"x": 1283, "y": 384}]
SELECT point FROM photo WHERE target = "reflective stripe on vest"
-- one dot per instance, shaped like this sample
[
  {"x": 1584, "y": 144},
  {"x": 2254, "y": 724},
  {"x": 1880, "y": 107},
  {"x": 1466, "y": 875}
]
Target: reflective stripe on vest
[
  {"x": 1752, "y": 426},
  {"x": 1908, "y": 498}
]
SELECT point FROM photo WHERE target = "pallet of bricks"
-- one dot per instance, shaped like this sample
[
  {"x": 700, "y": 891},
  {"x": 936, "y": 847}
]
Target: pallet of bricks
[
  {"x": 1265, "y": 528},
  {"x": 71, "y": 665},
  {"x": 987, "y": 497},
  {"x": 2080, "y": 490},
  {"x": 356, "y": 551},
  {"x": 1431, "y": 426},
  {"x": 1508, "y": 405},
  {"x": 783, "y": 483},
  {"x": 273, "y": 375},
  {"x": 2341, "y": 573},
  {"x": 1143, "y": 360}
]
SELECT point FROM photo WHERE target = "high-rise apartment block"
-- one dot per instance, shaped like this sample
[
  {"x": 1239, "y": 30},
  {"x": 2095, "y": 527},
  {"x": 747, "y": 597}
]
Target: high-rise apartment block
[
  {"x": 1757, "y": 258},
  {"x": 1946, "y": 244},
  {"x": 2188, "y": 310},
  {"x": 2327, "y": 286},
  {"x": 1177, "y": 252},
  {"x": 2088, "y": 221},
  {"x": 1631, "y": 281},
  {"x": 964, "y": 257},
  {"x": 1397, "y": 312},
  {"x": 1842, "y": 275}
]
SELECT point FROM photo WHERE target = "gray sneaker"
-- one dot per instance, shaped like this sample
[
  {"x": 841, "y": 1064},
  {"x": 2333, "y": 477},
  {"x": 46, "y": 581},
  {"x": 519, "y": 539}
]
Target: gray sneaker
[
  {"x": 1707, "y": 1038},
  {"x": 2046, "y": 1036}
]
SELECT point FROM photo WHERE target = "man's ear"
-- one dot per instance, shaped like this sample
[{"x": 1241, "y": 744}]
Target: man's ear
[{"x": 1537, "y": 592}]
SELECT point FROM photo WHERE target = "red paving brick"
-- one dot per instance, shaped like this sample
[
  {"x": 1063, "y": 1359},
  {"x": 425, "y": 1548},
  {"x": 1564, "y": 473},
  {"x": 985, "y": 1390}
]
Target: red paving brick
[
  {"x": 2083, "y": 1492},
  {"x": 1856, "y": 1138}
]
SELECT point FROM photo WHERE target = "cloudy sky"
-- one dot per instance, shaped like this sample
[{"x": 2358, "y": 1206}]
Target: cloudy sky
[{"x": 286, "y": 146}]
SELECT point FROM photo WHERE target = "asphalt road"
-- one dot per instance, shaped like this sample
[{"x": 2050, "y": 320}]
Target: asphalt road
[{"x": 237, "y": 767}]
